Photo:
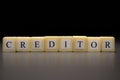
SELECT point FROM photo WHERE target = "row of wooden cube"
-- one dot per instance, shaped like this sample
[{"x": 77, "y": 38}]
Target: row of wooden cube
[{"x": 58, "y": 43}]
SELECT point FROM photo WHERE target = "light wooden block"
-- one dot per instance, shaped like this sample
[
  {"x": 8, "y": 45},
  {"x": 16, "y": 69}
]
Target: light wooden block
[
  {"x": 94, "y": 44},
  {"x": 80, "y": 43},
  {"x": 23, "y": 44},
  {"x": 65, "y": 43},
  {"x": 37, "y": 43},
  {"x": 107, "y": 43},
  {"x": 9, "y": 44},
  {"x": 51, "y": 43}
]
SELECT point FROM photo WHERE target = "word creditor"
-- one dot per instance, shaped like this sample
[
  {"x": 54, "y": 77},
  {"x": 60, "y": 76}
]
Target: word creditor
[{"x": 58, "y": 43}]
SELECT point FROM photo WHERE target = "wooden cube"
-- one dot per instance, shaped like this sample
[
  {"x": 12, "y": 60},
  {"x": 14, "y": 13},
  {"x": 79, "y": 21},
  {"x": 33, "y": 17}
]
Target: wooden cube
[
  {"x": 23, "y": 44},
  {"x": 9, "y": 44},
  {"x": 108, "y": 43},
  {"x": 80, "y": 43},
  {"x": 94, "y": 44},
  {"x": 51, "y": 43},
  {"x": 37, "y": 43},
  {"x": 65, "y": 43}
]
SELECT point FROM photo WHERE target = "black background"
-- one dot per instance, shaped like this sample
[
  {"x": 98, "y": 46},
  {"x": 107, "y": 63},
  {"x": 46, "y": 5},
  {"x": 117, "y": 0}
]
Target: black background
[{"x": 59, "y": 29}]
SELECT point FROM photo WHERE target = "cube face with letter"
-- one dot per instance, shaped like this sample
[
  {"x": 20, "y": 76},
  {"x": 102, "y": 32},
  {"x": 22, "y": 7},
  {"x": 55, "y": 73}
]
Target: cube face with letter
[
  {"x": 51, "y": 43},
  {"x": 37, "y": 43},
  {"x": 9, "y": 44},
  {"x": 94, "y": 44},
  {"x": 107, "y": 44},
  {"x": 23, "y": 43},
  {"x": 65, "y": 43},
  {"x": 80, "y": 43}
]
